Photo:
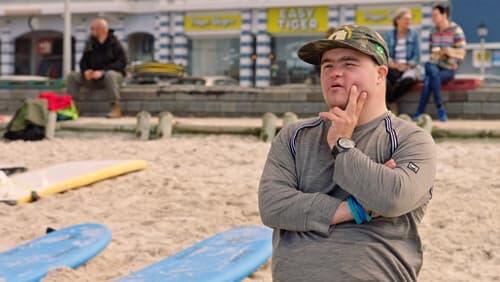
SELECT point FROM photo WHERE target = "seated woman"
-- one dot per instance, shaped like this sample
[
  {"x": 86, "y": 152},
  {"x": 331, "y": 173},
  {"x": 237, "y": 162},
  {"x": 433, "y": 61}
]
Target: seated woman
[{"x": 404, "y": 57}]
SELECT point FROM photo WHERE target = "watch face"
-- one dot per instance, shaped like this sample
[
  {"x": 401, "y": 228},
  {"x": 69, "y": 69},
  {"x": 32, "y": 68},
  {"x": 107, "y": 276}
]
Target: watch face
[{"x": 346, "y": 143}]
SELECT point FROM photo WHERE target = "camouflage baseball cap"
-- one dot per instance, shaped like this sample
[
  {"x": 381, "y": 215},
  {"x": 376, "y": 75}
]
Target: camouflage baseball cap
[{"x": 359, "y": 38}]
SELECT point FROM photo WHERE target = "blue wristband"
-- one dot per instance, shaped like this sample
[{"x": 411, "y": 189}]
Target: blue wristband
[
  {"x": 362, "y": 212},
  {"x": 354, "y": 210},
  {"x": 358, "y": 211}
]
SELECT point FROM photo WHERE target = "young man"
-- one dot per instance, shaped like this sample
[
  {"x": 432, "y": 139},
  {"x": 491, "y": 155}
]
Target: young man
[
  {"x": 322, "y": 173},
  {"x": 102, "y": 65},
  {"x": 447, "y": 46}
]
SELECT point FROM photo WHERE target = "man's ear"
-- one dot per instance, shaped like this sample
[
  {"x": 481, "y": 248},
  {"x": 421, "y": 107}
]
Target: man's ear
[{"x": 382, "y": 73}]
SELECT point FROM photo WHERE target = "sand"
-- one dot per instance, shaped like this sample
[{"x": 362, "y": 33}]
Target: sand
[{"x": 196, "y": 186}]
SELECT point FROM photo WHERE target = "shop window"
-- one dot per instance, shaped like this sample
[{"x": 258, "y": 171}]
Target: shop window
[
  {"x": 214, "y": 57},
  {"x": 286, "y": 67},
  {"x": 141, "y": 47},
  {"x": 40, "y": 53}
]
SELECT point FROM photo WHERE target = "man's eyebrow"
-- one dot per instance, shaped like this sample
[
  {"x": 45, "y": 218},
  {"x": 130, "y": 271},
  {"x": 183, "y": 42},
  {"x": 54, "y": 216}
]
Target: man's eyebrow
[{"x": 341, "y": 59}]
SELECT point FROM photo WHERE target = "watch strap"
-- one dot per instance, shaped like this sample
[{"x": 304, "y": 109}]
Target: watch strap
[{"x": 335, "y": 151}]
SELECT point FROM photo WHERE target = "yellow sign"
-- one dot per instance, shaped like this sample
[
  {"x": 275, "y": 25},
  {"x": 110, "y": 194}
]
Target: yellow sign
[
  {"x": 480, "y": 59},
  {"x": 297, "y": 20},
  {"x": 212, "y": 22},
  {"x": 382, "y": 16}
]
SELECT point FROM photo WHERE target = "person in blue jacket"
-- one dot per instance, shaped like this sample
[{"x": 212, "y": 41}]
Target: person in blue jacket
[{"x": 404, "y": 56}]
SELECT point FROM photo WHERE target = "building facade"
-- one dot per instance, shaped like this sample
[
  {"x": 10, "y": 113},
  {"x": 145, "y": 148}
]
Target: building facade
[{"x": 255, "y": 42}]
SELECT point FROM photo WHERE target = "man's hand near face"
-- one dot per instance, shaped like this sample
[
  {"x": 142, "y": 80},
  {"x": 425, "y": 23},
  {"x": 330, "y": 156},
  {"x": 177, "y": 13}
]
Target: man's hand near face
[
  {"x": 88, "y": 74},
  {"x": 344, "y": 121}
]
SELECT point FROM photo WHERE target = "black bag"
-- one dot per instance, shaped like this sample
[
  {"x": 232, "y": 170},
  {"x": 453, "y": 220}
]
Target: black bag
[
  {"x": 32, "y": 132},
  {"x": 29, "y": 121}
]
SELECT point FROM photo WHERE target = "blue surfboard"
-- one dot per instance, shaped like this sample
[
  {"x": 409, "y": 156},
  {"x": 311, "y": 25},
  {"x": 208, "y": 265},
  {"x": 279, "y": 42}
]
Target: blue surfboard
[
  {"x": 68, "y": 247},
  {"x": 228, "y": 256}
]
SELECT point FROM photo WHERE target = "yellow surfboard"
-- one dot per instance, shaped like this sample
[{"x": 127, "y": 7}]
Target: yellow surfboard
[
  {"x": 29, "y": 186},
  {"x": 158, "y": 68}
]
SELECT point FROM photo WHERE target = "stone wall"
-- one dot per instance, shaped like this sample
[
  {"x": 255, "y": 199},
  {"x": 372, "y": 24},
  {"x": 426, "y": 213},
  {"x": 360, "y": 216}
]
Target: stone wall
[
  {"x": 240, "y": 101},
  {"x": 482, "y": 103},
  {"x": 210, "y": 101},
  {"x": 11, "y": 100}
]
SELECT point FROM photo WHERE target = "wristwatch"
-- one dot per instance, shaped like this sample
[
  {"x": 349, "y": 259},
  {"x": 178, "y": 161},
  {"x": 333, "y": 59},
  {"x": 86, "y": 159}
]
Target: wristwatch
[{"x": 343, "y": 144}]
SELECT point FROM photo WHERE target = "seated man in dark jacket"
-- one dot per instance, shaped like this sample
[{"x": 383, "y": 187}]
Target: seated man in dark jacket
[{"x": 102, "y": 65}]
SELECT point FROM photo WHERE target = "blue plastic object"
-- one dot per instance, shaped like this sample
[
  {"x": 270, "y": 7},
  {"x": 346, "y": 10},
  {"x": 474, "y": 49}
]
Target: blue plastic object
[
  {"x": 228, "y": 256},
  {"x": 68, "y": 247}
]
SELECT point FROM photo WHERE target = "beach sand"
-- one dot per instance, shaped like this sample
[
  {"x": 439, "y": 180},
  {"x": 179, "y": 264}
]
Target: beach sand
[{"x": 196, "y": 186}]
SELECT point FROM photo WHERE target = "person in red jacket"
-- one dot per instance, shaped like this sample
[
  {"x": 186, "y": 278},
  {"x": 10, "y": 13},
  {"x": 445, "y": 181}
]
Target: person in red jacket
[{"x": 102, "y": 65}]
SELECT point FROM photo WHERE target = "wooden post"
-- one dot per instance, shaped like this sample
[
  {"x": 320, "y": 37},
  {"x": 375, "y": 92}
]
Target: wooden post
[
  {"x": 165, "y": 125},
  {"x": 50, "y": 127},
  {"x": 143, "y": 128},
  {"x": 289, "y": 118},
  {"x": 268, "y": 130}
]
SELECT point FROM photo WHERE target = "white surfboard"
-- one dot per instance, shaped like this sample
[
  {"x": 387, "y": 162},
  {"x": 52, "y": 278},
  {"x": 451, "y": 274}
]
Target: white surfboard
[{"x": 28, "y": 186}]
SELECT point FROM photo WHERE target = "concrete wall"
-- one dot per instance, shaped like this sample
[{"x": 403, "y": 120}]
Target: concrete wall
[
  {"x": 208, "y": 101},
  {"x": 480, "y": 103},
  {"x": 241, "y": 101}
]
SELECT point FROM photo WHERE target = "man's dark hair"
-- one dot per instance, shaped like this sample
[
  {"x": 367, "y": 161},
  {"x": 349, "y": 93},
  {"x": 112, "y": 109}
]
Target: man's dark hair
[{"x": 443, "y": 9}]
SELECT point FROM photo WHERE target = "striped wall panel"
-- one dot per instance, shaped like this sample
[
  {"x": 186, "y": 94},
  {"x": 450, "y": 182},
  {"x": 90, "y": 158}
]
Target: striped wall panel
[
  {"x": 6, "y": 52},
  {"x": 162, "y": 38},
  {"x": 81, "y": 35},
  {"x": 180, "y": 44},
  {"x": 425, "y": 32},
  {"x": 333, "y": 16},
  {"x": 263, "y": 65},
  {"x": 347, "y": 15},
  {"x": 246, "y": 50},
  {"x": 120, "y": 33}
]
